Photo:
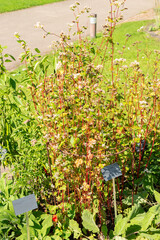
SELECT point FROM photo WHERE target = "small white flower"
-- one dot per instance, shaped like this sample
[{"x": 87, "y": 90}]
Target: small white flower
[
  {"x": 70, "y": 25},
  {"x": 56, "y": 175},
  {"x": 25, "y": 122},
  {"x": 87, "y": 9},
  {"x": 99, "y": 67},
  {"x": 147, "y": 171},
  {"x": 124, "y": 66},
  {"x": 117, "y": 61},
  {"x": 16, "y": 34},
  {"x": 40, "y": 85},
  {"x": 134, "y": 64},
  {"x": 118, "y": 3},
  {"x": 72, "y": 7},
  {"x": 76, "y": 75},
  {"x": 38, "y": 25},
  {"x": 33, "y": 142},
  {"x": 143, "y": 104},
  {"x": 58, "y": 65}
]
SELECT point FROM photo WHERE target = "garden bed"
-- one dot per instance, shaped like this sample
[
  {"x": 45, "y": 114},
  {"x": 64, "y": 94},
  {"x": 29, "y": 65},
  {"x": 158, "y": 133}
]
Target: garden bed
[{"x": 67, "y": 116}]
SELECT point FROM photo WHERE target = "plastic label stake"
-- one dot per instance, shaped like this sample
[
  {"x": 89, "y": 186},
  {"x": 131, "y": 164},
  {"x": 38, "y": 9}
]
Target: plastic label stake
[
  {"x": 24, "y": 205},
  {"x": 111, "y": 172}
]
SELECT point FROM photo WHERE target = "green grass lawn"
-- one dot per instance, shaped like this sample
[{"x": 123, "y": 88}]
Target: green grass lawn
[
  {"x": 139, "y": 40},
  {"x": 13, "y": 5}
]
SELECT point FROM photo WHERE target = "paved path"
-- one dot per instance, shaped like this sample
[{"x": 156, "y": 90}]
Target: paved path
[{"x": 55, "y": 17}]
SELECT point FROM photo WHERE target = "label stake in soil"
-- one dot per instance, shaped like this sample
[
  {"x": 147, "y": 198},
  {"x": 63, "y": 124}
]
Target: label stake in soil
[
  {"x": 111, "y": 172},
  {"x": 24, "y": 205},
  {"x": 27, "y": 223}
]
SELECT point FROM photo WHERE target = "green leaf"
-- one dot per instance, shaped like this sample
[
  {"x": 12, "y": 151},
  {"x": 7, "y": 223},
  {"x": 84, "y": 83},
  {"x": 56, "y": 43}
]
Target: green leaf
[
  {"x": 17, "y": 100},
  {"x": 56, "y": 237},
  {"x": 8, "y": 60},
  {"x": 12, "y": 57},
  {"x": 72, "y": 141},
  {"x": 155, "y": 209},
  {"x": 136, "y": 209},
  {"x": 92, "y": 50},
  {"x": 121, "y": 225},
  {"x": 44, "y": 59},
  {"x": 88, "y": 222},
  {"x": 37, "y": 50},
  {"x": 138, "y": 199},
  {"x": 47, "y": 238},
  {"x": 66, "y": 234},
  {"x": 149, "y": 236},
  {"x": 157, "y": 220},
  {"x": 157, "y": 196},
  {"x": 95, "y": 208},
  {"x": 147, "y": 221},
  {"x": 131, "y": 229},
  {"x": 138, "y": 219},
  {"x": 46, "y": 225},
  {"x": 104, "y": 230},
  {"x": 74, "y": 226},
  {"x": 36, "y": 65},
  {"x": 12, "y": 83},
  {"x": 120, "y": 238}
]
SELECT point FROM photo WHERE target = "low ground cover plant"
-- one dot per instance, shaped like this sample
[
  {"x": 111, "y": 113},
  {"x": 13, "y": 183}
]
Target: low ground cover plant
[
  {"x": 92, "y": 105},
  {"x": 13, "y": 5}
]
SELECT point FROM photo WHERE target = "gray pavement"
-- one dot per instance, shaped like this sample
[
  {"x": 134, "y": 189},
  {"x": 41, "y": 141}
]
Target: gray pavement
[{"x": 55, "y": 18}]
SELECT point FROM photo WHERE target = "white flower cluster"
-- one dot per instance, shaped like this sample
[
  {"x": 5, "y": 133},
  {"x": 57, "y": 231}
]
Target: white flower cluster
[
  {"x": 70, "y": 25},
  {"x": 76, "y": 75},
  {"x": 73, "y": 6},
  {"x": 33, "y": 142},
  {"x": 99, "y": 67},
  {"x": 58, "y": 65},
  {"x": 117, "y": 61},
  {"x": 38, "y": 25},
  {"x": 118, "y": 3},
  {"x": 87, "y": 9},
  {"x": 134, "y": 64},
  {"x": 143, "y": 104}
]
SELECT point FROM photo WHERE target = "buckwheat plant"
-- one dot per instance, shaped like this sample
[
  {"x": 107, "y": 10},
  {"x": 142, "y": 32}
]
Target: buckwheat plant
[{"x": 91, "y": 119}]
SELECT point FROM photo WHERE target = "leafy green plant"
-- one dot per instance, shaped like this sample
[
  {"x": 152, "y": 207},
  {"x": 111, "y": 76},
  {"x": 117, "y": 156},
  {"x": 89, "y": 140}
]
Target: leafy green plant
[
  {"x": 89, "y": 119},
  {"x": 12, "y": 226},
  {"x": 139, "y": 223},
  {"x": 88, "y": 224},
  {"x": 92, "y": 105}
]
